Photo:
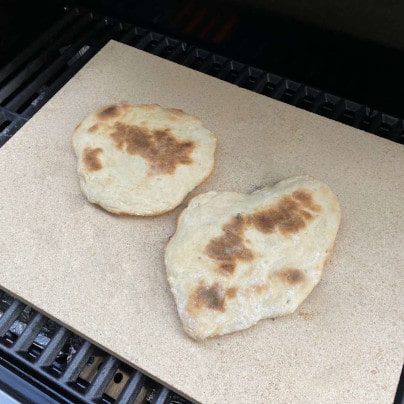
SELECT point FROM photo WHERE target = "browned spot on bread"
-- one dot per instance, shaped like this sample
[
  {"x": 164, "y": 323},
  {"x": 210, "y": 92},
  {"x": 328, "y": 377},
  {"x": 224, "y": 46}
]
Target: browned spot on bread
[
  {"x": 229, "y": 248},
  {"x": 210, "y": 297},
  {"x": 111, "y": 111},
  {"x": 159, "y": 147},
  {"x": 91, "y": 159},
  {"x": 306, "y": 199},
  {"x": 306, "y": 215},
  {"x": 290, "y": 215},
  {"x": 259, "y": 289},
  {"x": 231, "y": 293},
  {"x": 285, "y": 216},
  {"x": 292, "y": 276},
  {"x": 93, "y": 128},
  {"x": 78, "y": 126}
]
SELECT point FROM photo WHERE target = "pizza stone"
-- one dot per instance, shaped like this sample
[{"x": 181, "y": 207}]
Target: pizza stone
[
  {"x": 141, "y": 159},
  {"x": 238, "y": 258}
]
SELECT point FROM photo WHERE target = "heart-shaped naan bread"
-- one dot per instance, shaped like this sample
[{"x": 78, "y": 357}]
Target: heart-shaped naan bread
[
  {"x": 141, "y": 159},
  {"x": 238, "y": 258}
]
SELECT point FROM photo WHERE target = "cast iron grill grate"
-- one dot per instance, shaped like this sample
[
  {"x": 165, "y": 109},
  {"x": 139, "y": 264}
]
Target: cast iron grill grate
[
  {"x": 65, "y": 366},
  {"x": 36, "y": 74}
]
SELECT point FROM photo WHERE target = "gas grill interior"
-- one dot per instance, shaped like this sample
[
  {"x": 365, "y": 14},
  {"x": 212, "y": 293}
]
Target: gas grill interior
[{"x": 348, "y": 78}]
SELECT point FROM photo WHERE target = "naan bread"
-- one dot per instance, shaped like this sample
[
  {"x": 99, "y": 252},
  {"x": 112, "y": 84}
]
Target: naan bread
[
  {"x": 236, "y": 259},
  {"x": 143, "y": 159}
]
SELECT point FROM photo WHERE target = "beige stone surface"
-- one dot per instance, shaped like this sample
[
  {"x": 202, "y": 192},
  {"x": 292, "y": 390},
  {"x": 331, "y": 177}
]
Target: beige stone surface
[{"x": 103, "y": 275}]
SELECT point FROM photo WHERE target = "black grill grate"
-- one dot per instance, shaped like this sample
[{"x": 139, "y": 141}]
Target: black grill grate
[
  {"x": 66, "y": 367},
  {"x": 32, "y": 78}
]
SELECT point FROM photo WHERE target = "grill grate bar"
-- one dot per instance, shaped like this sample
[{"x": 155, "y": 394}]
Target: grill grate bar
[
  {"x": 50, "y": 352},
  {"x": 231, "y": 71},
  {"x": 133, "y": 35},
  {"x": 29, "y": 367},
  {"x": 47, "y": 74},
  {"x": 261, "y": 83},
  {"x": 149, "y": 41},
  {"x": 161, "y": 396},
  {"x": 178, "y": 53},
  {"x": 249, "y": 77},
  {"x": 9, "y": 129},
  {"x": 272, "y": 81},
  {"x": 165, "y": 47},
  {"x": 79, "y": 62},
  {"x": 46, "y": 56},
  {"x": 25, "y": 340},
  {"x": 279, "y": 89},
  {"x": 18, "y": 357},
  {"x": 10, "y": 114},
  {"x": 10, "y": 315},
  {"x": 102, "y": 379},
  {"x": 37, "y": 45},
  {"x": 132, "y": 388},
  {"x": 76, "y": 365},
  {"x": 213, "y": 65},
  {"x": 195, "y": 58}
]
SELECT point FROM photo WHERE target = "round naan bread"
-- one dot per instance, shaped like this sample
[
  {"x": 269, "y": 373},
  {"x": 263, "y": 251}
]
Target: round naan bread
[
  {"x": 141, "y": 159},
  {"x": 236, "y": 258}
]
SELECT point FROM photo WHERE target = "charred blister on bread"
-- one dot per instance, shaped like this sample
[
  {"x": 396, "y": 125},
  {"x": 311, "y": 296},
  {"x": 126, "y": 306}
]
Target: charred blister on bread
[
  {"x": 230, "y": 247},
  {"x": 94, "y": 128},
  {"x": 91, "y": 158},
  {"x": 291, "y": 276},
  {"x": 211, "y": 297},
  {"x": 290, "y": 215},
  {"x": 111, "y": 111},
  {"x": 159, "y": 148}
]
